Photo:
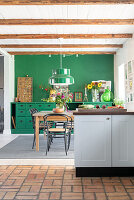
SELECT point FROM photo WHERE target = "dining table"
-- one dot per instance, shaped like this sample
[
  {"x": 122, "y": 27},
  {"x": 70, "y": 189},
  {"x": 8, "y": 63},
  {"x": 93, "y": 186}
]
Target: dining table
[{"x": 39, "y": 117}]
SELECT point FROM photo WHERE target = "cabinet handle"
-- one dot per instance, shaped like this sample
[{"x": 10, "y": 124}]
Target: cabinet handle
[{"x": 107, "y": 118}]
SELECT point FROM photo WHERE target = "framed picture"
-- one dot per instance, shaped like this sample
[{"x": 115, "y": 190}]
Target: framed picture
[
  {"x": 129, "y": 67},
  {"x": 133, "y": 66},
  {"x": 78, "y": 96},
  {"x": 126, "y": 72},
  {"x": 131, "y": 97},
  {"x": 130, "y": 83}
]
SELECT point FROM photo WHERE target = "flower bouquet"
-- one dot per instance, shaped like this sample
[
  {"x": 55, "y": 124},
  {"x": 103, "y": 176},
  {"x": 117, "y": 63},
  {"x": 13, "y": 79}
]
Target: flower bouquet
[
  {"x": 94, "y": 85},
  {"x": 95, "y": 88},
  {"x": 62, "y": 99}
]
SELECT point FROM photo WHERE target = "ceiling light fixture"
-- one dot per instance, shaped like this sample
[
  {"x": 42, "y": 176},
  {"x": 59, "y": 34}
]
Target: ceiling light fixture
[{"x": 61, "y": 76}]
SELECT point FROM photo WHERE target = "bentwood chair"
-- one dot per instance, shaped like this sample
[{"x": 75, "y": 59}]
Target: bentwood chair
[
  {"x": 61, "y": 128},
  {"x": 41, "y": 125}
]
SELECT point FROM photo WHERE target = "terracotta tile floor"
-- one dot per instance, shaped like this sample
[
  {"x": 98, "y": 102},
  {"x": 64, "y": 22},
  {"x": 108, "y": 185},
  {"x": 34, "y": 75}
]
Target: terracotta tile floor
[{"x": 59, "y": 182}]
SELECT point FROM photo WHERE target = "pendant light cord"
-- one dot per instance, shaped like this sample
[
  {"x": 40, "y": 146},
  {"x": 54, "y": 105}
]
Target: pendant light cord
[
  {"x": 60, "y": 61},
  {"x": 60, "y": 55}
]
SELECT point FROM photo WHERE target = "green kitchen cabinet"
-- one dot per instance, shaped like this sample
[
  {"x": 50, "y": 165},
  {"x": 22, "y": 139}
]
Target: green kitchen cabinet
[{"x": 22, "y": 117}]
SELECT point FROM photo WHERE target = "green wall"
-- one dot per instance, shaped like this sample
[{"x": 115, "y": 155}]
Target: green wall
[{"x": 84, "y": 69}]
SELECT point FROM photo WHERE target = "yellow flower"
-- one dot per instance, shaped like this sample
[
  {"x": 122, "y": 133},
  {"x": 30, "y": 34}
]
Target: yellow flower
[
  {"x": 99, "y": 84},
  {"x": 89, "y": 86},
  {"x": 92, "y": 84}
]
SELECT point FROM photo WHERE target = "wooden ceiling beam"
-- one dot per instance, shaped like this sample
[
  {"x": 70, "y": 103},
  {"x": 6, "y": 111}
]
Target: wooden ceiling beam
[
  {"x": 65, "y": 36},
  {"x": 61, "y": 46},
  {"x": 57, "y": 52},
  {"x": 64, "y": 2},
  {"x": 66, "y": 21}
]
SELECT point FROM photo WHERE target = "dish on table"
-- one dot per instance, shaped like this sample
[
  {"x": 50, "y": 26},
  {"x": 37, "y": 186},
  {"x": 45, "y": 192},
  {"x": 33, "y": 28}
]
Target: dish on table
[{"x": 84, "y": 106}]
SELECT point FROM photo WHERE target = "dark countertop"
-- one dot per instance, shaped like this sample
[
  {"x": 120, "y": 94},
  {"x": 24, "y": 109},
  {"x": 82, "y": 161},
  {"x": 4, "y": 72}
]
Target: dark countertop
[{"x": 102, "y": 113}]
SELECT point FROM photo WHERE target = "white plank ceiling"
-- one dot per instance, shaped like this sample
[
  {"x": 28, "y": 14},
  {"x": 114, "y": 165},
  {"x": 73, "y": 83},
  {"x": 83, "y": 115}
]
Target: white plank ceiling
[{"x": 125, "y": 11}]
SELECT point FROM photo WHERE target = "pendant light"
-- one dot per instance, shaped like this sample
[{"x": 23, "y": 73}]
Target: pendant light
[{"x": 61, "y": 76}]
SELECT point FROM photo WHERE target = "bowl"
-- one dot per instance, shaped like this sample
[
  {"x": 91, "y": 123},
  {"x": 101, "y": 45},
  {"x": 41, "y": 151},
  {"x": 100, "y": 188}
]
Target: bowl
[{"x": 58, "y": 110}]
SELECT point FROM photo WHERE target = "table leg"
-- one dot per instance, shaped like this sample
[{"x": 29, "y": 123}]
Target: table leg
[{"x": 37, "y": 132}]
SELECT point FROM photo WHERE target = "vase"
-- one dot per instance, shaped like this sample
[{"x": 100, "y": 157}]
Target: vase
[
  {"x": 59, "y": 108},
  {"x": 95, "y": 95},
  {"x": 107, "y": 96}
]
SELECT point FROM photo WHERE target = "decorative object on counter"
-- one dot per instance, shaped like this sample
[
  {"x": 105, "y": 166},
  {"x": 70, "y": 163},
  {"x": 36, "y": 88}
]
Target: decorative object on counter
[
  {"x": 95, "y": 88},
  {"x": 95, "y": 95},
  {"x": 62, "y": 100},
  {"x": 85, "y": 106},
  {"x": 107, "y": 96},
  {"x": 52, "y": 96},
  {"x": 119, "y": 102},
  {"x": 24, "y": 89},
  {"x": 78, "y": 96},
  {"x": 61, "y": 76},
  {"x": 85, "y": 95},
  {"x": 104, "y": 106},
  {"x": 58, "y": 110},
  {"x": 104, "y": 86}
]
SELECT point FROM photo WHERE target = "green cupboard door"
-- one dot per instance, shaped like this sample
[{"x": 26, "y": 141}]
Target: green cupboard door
[
  {"x": 20, "y": 122},
  {"x": 28, "y": 122},
  {"x": 21, "y": 106},
  {"x": 20, "y": 113},
  {"x": 28, "y": 107},
  {"x": 40, "y": 106},
  {"x": 49, "y": 106}
]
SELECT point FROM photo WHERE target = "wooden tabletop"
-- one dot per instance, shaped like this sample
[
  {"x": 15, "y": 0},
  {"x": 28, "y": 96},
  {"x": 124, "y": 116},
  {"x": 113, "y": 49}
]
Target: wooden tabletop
[{"x": 42, "y": 113}]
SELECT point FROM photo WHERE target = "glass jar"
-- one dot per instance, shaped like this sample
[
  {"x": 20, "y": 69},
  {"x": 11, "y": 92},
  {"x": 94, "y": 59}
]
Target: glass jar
[{"x": 95, "y": 95}]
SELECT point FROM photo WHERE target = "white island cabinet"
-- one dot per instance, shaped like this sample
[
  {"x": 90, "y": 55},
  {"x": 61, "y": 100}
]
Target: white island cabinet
[
  {"x": 92, "y": 141},
  {"x": 123, "y": 140},
  {"x": 104, "y": 143}
]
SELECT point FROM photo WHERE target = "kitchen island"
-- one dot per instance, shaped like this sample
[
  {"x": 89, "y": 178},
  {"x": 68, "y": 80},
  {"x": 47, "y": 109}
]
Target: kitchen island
[{"x": 104, "y": 143}]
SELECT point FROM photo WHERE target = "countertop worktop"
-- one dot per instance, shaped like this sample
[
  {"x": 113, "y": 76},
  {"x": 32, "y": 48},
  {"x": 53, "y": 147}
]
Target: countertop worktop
[{"x": 102, "y": 113}]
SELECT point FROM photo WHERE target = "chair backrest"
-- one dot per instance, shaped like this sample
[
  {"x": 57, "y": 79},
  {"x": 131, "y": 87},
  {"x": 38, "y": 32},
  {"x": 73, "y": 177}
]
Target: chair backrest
[
  {"x": 61, "y": 120},
  {"x": 32, "y": 111}
]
